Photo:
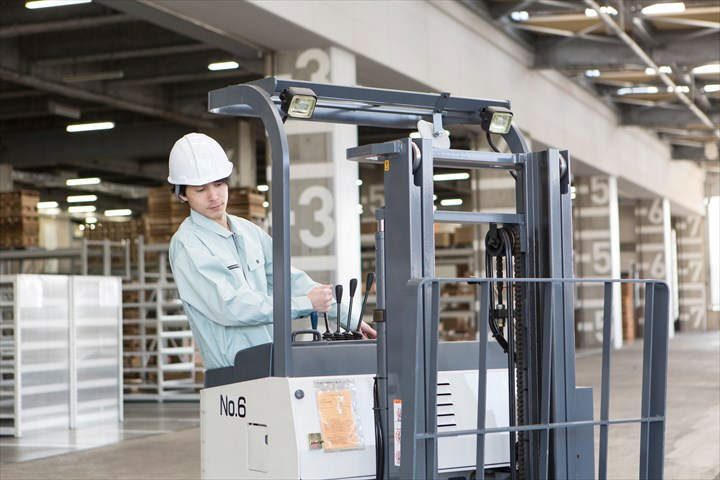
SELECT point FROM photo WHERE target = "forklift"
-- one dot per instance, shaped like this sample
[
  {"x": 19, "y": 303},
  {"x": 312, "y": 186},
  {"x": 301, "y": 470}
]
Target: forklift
[{"x": 409, "y": 406}]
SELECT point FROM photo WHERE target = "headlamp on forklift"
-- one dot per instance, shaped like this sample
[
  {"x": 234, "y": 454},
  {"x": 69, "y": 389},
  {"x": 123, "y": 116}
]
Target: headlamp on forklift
[
  {"x": 298, "y": 102},
  {"x": 496, "y": 120}
]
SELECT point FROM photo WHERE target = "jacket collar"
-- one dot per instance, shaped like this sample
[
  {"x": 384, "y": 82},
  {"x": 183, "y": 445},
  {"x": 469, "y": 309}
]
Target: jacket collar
[{"x": 203, "y": 222}]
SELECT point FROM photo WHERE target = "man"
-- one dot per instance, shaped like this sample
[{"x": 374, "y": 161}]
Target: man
[{"x": 222, "y": 264}]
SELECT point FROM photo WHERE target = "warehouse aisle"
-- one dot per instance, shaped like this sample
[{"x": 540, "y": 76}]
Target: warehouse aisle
[{"x": 692, "y": 439}]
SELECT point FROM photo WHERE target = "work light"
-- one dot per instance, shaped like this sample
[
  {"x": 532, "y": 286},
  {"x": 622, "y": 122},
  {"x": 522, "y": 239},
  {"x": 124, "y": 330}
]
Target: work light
[
  {"x": 298, "y": 102},
  {"x": 496, "y": 120}
]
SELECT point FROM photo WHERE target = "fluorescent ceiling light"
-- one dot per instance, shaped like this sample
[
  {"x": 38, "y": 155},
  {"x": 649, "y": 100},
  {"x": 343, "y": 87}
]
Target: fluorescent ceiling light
[
  {"x": 663, "y": 69},
  {"x": 266, "y": 204},
  {"x": 707, "y": 69},
  {"x": 81, "y": 198},
  {"x": 444, "y": 177},
  {"x": 592, "y": 73},
  {"x": 590, "y": 12},
  {"x": 90, "y": 220},
  {"x": 73, "y": 182},
  {"x": 81, "y": 209},
  {"x": 43, "y": 205},
  {"x": 223, "y": 66},
  {"x": 451, "y": 202},
  {"x": 712, "y": 88},
  {"x": 88, "y": 127},
  {"x": 679, "y": 88},
  {"x": 663, "y": 8},
  {"x": 52, "y": 3},
  {"x": 263, "y": 188},
  {"x": 520, "y": 16},
  {"x": 637, "y": 90},
  {"x": 358, "y": 182},
  {"x": 120, "y": 212}
]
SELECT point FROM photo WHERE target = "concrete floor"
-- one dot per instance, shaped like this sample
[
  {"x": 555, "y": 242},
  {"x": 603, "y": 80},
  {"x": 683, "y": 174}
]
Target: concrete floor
[{"x": 163, "y": 441}]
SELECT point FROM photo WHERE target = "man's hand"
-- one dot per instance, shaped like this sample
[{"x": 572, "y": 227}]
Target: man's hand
[
  {"x": 367, "y": 331},
  {"x": 321, "y": 298}
]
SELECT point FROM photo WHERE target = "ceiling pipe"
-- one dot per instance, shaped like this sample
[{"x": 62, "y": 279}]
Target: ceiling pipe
[{"x": 651, "y": 63}]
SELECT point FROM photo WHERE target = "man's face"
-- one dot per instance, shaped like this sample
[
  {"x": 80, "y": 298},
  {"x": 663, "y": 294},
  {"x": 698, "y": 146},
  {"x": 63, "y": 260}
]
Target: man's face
[{"x": 209, "y": 200}]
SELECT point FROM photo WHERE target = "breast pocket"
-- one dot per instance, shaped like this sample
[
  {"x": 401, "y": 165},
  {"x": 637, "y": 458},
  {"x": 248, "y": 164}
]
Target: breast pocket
[{"x": 256, "y": 269}]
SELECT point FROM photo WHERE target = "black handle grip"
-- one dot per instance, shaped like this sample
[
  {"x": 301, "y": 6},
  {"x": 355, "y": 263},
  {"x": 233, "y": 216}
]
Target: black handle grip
[
  {"x": 353, "y": 286},
  {"x": 369, "y": 282},
  {"x": 338, "y": 293},
  {"x": 338, "y": 299}
]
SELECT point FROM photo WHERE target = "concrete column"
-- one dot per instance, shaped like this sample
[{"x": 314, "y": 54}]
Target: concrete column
[
  {"x": 596, "y": 232},
  {"x": 245, "y": 159},
  {"x": 238, "y": 140},
  {"x": 325, "y": 235},
  {"x": 654, "y": 247},
  {"x": 691, "y": 262}
]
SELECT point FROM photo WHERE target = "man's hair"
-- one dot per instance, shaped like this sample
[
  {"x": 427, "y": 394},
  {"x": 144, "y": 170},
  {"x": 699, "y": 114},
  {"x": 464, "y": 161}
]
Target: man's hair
[{"x": 180, "y": 189}]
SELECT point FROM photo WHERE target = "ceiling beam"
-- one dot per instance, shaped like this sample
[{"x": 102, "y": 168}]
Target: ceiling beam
[
  {"x": 110, "y": 150},
  {"x": 654, "y": 117},
  {"x": 64, "y": 25},
  {"x": 671, "y": 48},
  {"x": 696, "y": 153},
  {"x": 189, "y": 27},
  {"x": 652, "y": 64},
  {"x": 58, "y": 181},
  {"x": 124, "y": 55},
  {"x": 116, "y": 101}
]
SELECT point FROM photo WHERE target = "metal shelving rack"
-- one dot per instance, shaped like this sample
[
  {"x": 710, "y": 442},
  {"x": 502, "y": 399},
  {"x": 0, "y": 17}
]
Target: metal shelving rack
[{"x": 160, "y": 359}]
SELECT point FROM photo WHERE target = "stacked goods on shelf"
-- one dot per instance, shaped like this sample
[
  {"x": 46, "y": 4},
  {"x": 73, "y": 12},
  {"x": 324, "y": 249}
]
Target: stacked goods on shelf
[
  {"x": 464, "y": 236},
  {"x": 165, "y": 213},
  {"x": 115, "y": 231},
  {"x": 19, "y": 219},
  {"x": 246, "y": 202},
  {"x": 628, "y": 311}
]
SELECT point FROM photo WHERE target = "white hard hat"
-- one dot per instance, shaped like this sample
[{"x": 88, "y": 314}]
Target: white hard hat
[{"x": 197, "y": 159}]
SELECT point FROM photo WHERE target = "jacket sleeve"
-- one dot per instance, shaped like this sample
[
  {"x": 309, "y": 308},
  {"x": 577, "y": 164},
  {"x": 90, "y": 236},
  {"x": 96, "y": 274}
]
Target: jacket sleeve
[
  {"x": 205, "y": 283},
  {"x": 301, "y": 282}
]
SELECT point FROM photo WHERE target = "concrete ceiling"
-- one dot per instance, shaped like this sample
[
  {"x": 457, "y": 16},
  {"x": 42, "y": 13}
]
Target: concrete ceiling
[{"x": 640, "y": 63}]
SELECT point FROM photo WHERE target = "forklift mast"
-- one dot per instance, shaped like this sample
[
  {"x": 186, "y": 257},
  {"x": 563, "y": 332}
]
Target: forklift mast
[{"x": 526, "y": 299}]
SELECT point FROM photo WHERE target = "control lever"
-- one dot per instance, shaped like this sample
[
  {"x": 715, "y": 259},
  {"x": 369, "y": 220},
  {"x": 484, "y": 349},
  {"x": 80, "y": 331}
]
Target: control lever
[
  {"x": 368, "y": 286},
  {"x": 353, "y": 287},
  {"x": 338, "y": 298},
  {"x": 328, "y": 334}
]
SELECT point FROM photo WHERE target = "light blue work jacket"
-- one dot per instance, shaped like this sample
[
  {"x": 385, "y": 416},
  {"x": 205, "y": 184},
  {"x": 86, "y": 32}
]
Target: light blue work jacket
[{"x": 225, "y": 281}]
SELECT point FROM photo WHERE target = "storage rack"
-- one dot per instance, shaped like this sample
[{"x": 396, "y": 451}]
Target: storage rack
[
  {"x": 160, "y": 359},
  {"x": 60, "y": 347}
]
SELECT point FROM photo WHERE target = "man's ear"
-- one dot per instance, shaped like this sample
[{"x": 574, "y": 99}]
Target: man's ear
[{"x": 182, "y": 198}]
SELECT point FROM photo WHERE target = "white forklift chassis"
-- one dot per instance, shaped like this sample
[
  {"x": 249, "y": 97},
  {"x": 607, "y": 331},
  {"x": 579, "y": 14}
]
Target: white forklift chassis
[{"x": 269, "y": 428}]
